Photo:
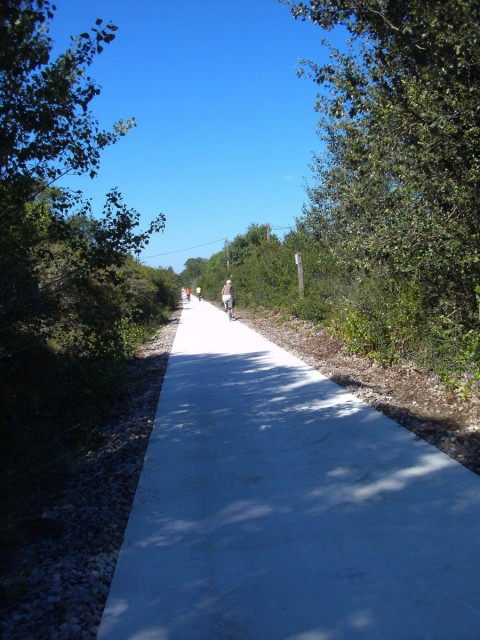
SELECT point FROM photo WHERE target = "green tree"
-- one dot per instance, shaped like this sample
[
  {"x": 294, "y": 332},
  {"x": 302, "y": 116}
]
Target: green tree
[
  {"x": 46, "y": 131},
  {"x": 193, "y": 271},
  {"x": 65, "y": 321},
  {"x": 46, "y": 126},
  {"x": 241, "y": 245},
  {"x": 396, "y": 195},
  {"x": 214, "y": 275},
  {"x": 402, "y": 129}
]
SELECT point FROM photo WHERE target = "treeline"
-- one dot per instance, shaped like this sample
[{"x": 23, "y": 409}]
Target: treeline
[
  {"x": 74, "y": 301},
  {"x": 390, "y": 232}
]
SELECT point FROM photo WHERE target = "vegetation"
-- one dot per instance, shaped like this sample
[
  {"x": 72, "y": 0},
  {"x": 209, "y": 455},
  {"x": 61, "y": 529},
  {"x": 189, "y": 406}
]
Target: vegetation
[
  {"x": 192, "y": 272},
  {"x": 390, "y": 232},
  {"x": 397, "y": 190},
  {"x": 74, "y": 301},
  {"x": 389, "y": 235}
]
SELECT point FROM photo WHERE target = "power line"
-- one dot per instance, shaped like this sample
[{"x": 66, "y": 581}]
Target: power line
[{"x": 168, "y": 253}]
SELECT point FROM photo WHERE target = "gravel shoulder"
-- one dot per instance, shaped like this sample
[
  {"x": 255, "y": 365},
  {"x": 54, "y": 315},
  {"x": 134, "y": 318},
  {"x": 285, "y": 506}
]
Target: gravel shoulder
[{"x": 61, "y": 561}]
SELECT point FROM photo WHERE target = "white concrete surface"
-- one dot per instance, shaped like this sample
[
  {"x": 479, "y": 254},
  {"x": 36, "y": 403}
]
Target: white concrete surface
[{"x": 273, "y": 505}]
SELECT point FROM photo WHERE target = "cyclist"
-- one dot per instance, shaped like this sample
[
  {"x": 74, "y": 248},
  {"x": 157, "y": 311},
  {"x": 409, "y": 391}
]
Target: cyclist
[
  {"x": 227, "y": 295},
  {"x": 199, "y": 293},
  {"x": 187, "y": 293}
]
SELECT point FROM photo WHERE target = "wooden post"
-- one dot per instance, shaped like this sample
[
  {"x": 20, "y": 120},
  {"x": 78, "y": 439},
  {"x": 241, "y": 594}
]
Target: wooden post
[{"x": 298, "y": 262}]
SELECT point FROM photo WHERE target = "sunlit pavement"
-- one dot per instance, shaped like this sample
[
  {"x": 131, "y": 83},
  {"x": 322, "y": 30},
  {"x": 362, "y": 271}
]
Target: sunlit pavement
[{"x": 275, "y": 505}]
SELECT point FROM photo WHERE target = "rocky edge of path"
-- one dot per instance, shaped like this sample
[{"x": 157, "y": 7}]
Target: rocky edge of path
[{"x": 60, "y": 567}]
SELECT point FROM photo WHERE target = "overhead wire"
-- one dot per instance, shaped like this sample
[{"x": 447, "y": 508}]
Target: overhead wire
[
  {"x": 205, "y": 244},
  {"x": 157, "y": 255}
]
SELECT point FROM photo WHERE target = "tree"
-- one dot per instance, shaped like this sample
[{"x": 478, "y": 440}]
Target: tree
[
  {"x": 64, "y": 318},
  {"x": 402, "y": 127},
  {"x": 194, "y": 268},
  {"x": 47, "y": 130},
  {"x": 214, "y": 275},
  {"x": 241, "y": 245},
  {"x": 46, "y": 127},
  {"x": 396, "y": 196}
]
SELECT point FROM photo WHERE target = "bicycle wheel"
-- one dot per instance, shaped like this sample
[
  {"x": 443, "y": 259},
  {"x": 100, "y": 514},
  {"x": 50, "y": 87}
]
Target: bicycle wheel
[{"x": 230, "y": 313}]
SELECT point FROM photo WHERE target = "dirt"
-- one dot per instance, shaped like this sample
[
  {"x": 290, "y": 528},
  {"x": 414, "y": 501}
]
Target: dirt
[{"x": 413, "y": 397}]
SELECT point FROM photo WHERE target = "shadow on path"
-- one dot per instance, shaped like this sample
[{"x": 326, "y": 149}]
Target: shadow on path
[{"x": 275, "y": 505}]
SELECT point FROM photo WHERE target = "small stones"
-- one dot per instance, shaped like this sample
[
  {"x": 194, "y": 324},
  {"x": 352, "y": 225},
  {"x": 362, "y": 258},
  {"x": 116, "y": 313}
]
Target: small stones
[{"x": 64, "y": 567}]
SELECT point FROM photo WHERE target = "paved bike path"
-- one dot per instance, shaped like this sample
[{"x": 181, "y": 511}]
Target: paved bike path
[{"x": 274, "y": 505}]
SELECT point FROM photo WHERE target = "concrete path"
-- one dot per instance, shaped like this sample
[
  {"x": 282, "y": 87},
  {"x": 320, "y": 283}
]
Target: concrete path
[{"x": 273, "y": 505}]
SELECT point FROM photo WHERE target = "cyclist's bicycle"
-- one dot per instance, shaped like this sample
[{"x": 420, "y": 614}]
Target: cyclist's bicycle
[{"x": 228, "y": 306}]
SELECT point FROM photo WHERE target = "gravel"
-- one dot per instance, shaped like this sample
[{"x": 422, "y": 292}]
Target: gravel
[{"x": 61, "y": 563}]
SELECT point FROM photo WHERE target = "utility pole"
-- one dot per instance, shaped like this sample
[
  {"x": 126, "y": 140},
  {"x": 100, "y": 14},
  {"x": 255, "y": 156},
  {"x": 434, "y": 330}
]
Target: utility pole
[
  {"x": 226, "y": 253},
  {"x": 299, "y": 263},
  {"x": 268, "y": 232}
]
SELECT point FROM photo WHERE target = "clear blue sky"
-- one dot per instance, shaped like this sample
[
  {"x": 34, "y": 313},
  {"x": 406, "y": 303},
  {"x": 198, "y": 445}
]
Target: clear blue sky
[{"x": 226, "y": 130}]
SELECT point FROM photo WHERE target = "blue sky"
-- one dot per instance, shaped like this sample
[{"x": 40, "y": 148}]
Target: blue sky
[{"x": 225, "y": 129}]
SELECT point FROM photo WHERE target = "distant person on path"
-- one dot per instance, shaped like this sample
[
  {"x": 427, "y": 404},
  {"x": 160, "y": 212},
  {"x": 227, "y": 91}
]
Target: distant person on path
[
  {"x": 227, "y": 295},
  {"x": 199, "y": 293},
  {"x": 187, "y": 293}
]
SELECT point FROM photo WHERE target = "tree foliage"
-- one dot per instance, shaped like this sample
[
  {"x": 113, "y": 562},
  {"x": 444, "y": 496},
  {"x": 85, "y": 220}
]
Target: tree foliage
[
  {"x": 213, "y": 277},
  {"x": 46, "y": 126},
  {"x": 73, "y": 301},
  {"x": 194, "y": 268},
  {"x": 390, "y": 232},
  {"x": 402, "y": 175},
  {"x": 242, "y": 245},
  {"x": 397, "y": 188}
]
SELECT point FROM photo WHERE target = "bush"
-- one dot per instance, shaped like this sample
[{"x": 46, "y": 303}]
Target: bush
[
  {"x": 451, "y": 351},
  {"x": 72, "y": 372},
  {"x": 381, "y": 318}
]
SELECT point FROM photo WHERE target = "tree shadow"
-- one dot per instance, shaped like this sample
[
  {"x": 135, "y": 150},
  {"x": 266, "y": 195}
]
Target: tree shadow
[
  {"x": 434, "y": 430},
  {"x": 274, "y": 504}
]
